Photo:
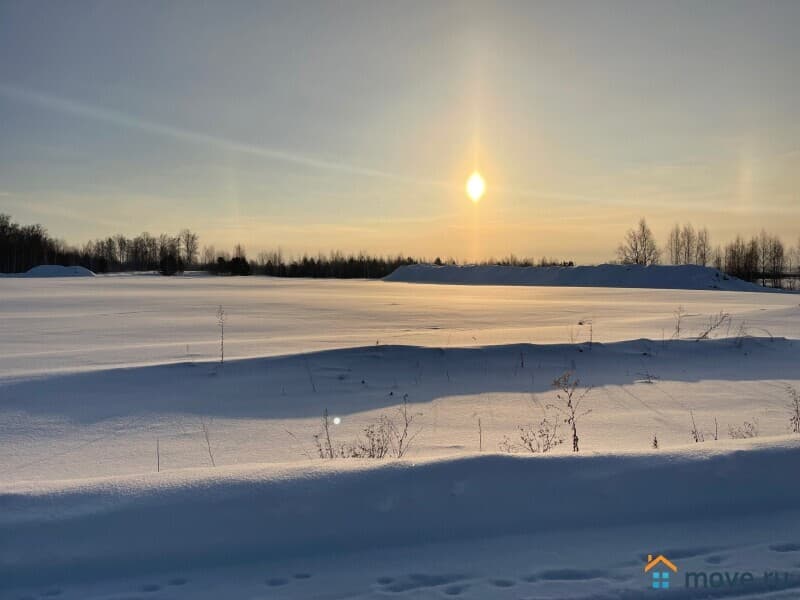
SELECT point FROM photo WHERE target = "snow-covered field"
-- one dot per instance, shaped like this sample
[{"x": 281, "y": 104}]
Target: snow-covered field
[{"x": 108, "y": 386}]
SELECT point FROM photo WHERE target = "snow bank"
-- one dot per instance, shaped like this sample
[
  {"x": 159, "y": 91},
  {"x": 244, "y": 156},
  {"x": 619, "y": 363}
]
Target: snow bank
[
  {"x": 114, "y": 527},
  {"x": 58, "y": 271},
  {"x": 683, "y": 277}
]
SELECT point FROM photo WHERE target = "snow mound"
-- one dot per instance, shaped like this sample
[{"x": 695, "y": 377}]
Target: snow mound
[
  {"x": 183, "y": 519},
  {"x": 682, "y": 277},
  {"x": 58, "y": 271}
]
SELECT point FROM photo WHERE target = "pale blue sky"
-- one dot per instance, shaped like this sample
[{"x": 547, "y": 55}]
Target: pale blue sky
[{"x": 314, "y": 125}]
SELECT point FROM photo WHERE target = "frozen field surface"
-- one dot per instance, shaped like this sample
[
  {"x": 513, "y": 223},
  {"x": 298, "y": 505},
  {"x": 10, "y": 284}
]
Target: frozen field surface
[
  {"x": 134, "y": 465},
  {"x": 65, "y": 324}
]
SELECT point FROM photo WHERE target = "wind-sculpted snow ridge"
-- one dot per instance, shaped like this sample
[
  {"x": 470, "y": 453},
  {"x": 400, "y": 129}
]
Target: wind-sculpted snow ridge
[
  {"x": 682, "y": 277},
  {"x": 61, "y": 532}
]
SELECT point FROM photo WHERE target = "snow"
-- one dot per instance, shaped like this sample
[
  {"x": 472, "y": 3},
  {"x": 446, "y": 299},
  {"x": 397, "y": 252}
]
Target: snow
[
  {"x": 187, "y": 520},
  {"x": 56, "y": 271},
  {"x": 682, "y": 277},
  {"x": 96, "y": 372},
  {"x": 66, "y": 325}
]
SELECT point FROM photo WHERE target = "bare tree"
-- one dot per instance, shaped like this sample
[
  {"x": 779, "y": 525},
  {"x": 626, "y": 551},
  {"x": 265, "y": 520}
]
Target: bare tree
[
  {"x": 688, "y": 244},
  {"x": 570, "y": 403},
  {"x": 674, "y": 245},
  {"x": 190, "y": 241},
  {"x": 763, "y": 247},
  {"x": 702, "y": 253},
  {"x": 639, "y": 246},
  {"x": 777, "y": 261},
  {"x": 209, "y": 255}
]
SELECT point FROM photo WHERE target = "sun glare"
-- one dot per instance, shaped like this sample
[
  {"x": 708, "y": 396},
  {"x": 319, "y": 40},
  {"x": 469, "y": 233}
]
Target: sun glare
[{"x": 476, "y": 187}]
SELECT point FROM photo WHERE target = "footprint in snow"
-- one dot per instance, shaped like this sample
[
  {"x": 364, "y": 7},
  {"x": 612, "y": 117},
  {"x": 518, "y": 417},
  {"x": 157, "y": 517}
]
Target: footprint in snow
[
  {"x": 418, "y": 581},
  {"x": 456, "y": 590},
  {"x": 787, "y": 547},
  {"x": 567, "y": 575}
]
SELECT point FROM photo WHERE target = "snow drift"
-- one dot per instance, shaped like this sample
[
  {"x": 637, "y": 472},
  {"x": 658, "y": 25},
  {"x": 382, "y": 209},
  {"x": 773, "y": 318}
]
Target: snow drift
[
  {"x": 62, "y": 531},
  {"x": 683, "y": 277},
  {"x": 58, "y": 271}
]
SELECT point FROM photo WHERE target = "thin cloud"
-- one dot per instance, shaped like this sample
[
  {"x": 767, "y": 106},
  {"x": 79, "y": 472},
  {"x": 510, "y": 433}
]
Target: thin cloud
[{"x": 120, "y": 119}]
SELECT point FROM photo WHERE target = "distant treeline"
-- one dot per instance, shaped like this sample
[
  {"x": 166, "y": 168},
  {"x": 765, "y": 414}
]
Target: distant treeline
[
  {"x": 25, "y": 246},
  {"x": 335, "y": 264},
  {"x": 763, "y": 258}
]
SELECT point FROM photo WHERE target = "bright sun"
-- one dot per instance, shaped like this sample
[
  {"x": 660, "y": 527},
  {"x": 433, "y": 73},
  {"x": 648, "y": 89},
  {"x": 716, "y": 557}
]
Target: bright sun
[{"x": 476, "y": 187}]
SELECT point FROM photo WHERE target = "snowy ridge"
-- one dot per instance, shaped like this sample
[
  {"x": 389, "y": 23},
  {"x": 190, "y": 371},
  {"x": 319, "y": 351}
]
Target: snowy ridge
[
  {"x": 72, "y": 530},
  {"x": 48, "y": 271},
  {"x": 683, "y": 277}
]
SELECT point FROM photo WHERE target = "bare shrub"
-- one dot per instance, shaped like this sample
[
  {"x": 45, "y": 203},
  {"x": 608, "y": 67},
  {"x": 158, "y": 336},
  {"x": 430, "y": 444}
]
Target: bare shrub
[
  {"x": 714, "y": 323},
  {"x": 536, "y": 439},
  {"x": 569, "y": 403},
  {"x": 383, "y": 438},
  {"x": 697, "y": 434},
  {"x": 375, "y": 444},
  {"x": 402, "y": 435},
  {"x": 322, "y": 440},
  {"x": 748, "y": 429}
]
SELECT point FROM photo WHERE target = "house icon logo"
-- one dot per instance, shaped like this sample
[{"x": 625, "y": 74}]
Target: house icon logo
[{"x": 660, "y": 569}]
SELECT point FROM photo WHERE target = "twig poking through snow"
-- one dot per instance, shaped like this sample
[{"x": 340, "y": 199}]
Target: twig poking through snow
[
  {"x": 714, "y": 323},
  {"x": 208, "y": 442},
  {"x": 571, "y": 403},
  {"x": 794, "y": 409},
  {"x": 221, "y": 323}
]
